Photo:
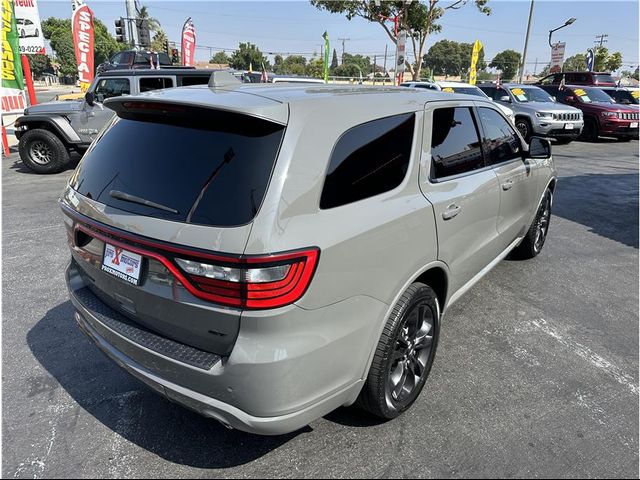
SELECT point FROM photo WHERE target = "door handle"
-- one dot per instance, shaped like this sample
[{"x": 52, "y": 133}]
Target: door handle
[
  {"x": 451, "y": 211},
  {"x": 507, "y": 184}
]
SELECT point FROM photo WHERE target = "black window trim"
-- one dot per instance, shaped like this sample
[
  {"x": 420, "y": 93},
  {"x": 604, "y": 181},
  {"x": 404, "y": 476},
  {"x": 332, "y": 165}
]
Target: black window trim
[
  {"x": 416, "y": 132},
  {"x": 476, "y": 119}
]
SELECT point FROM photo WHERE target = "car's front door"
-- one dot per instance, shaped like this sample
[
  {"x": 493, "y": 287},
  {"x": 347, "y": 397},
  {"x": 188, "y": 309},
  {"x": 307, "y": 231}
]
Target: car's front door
[
  {"x": 464, "y": 192},
  {"x": 504, "y": 153},
  {"x": 96, "y": 116}
]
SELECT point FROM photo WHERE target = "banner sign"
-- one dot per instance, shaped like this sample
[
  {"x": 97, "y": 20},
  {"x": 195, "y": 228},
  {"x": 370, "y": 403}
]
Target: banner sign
[
  {"x": 82, "y": 27},
  {"x": 12, "y": 91},
  {"x": 557, "y": 58},
  {"x": 29, "y": 28},
  {"x": 590, "y": 59},
  {"x": 325, "y": 61},
  {"x": 475, "y": 54},
  {"x": 188, "y": 43}
]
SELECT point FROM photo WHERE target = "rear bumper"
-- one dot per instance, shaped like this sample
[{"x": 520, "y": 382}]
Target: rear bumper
[{"x": 277, "y": 379}]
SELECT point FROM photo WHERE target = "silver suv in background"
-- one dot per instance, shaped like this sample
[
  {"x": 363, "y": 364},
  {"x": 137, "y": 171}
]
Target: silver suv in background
[
  {"x": 265, "y": 254},
  {"x": 536, "y": 112},
  {"x": 459, "y": 87}
]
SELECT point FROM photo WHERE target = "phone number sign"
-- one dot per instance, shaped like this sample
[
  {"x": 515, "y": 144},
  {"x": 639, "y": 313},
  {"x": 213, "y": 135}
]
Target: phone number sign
[{"x": 29, "y": 28}]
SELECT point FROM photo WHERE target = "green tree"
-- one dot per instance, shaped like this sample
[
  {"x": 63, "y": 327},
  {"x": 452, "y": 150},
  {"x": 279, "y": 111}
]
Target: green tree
[
  {"x": 154, "y": 24},
  {"x": 360, "y": 60},
  {"x": 334, "y": 60},
  {"x": 418, "y": 19},
  {"x": 248, "y": 55},
  {"x": 447, "y": 57},
  {"x": 508, "y": 62},
  {"x": 443, "y": 58},
  {"x": 159, "y": 41},
  {"x": 606, "y": 62},
  {"x": 58, "y": 32},
  {"x": 220, "y": 57},
  {"x": 315, "y": 68},
  {"x": 575, "y": 63},
  {"x": 40, "y": 64}
]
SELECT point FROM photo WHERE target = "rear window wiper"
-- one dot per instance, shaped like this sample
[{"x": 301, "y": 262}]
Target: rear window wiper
[{"x": 142, "y": 201}]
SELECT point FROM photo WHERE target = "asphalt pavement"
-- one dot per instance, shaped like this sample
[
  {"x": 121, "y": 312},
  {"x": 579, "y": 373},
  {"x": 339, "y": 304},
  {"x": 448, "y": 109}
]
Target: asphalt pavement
[{"x": 536, "y": 373}]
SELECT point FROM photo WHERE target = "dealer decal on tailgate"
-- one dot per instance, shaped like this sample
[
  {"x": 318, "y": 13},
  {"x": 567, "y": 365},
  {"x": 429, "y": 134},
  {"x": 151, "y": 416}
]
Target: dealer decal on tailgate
[{"x": 122, "y": 263}]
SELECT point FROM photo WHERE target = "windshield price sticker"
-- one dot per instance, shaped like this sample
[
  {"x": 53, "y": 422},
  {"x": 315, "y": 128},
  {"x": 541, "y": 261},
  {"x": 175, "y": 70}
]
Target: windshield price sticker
[
  {"x": 635, "y": 93},
  {"x": 448, "y": 90},
  {"x": 519, "y": 94}
]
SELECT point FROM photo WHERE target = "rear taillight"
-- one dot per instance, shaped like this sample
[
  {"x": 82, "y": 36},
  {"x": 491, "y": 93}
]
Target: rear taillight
[{"x": 255, "y": 282}]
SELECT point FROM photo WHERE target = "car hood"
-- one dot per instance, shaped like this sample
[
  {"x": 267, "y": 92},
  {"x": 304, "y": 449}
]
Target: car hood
[
  {"x": 609, "y": 107},
  {"x": 554, "y": 107},
  {"x": 61, "y": 107}
]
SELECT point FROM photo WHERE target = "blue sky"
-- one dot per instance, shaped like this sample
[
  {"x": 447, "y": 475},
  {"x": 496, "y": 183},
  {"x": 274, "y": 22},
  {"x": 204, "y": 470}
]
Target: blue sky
[{"x": 295, "y": 26}]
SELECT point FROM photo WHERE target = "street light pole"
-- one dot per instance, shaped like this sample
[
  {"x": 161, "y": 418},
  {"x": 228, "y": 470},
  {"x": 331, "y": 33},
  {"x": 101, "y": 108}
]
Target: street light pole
[
  {"x": 526, "y": 42},
  {"x": 566, "y": 24}
]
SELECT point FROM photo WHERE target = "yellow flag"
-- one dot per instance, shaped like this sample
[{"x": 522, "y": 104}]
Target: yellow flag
[{"x": 477, "y": 46}]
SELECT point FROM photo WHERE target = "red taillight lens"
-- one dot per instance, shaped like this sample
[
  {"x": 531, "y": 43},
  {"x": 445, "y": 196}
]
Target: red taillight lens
[{"x": 254, "y": 282}]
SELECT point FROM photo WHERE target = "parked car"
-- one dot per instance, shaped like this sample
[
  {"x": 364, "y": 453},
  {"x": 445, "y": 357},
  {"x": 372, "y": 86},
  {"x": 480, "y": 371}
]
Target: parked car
[
  {"x": 622, "y": 95},
  {"x": 131, "y": 59},
  {"x": 602, "y": 115},
  {"x": 458, "y": 87},
  {"x": 49, "y": 132},
  {"x": 536, "y": 112},
  {"x": 206, "y": 257},
  {"x": 427, "y": 85},
  {"x": 26, "y": 28},
  {"x": 599, "y": 79}
]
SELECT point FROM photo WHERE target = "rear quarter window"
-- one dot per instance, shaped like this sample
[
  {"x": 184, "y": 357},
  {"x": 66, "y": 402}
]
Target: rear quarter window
[{"x": 368, "y": 160}]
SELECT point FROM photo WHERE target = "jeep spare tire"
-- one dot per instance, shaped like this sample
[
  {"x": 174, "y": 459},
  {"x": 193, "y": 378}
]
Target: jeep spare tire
[{"x": 42, "y": 151}]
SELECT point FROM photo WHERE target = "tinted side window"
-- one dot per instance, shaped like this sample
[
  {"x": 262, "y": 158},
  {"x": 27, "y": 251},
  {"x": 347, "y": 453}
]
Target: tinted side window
[
  {"x": 455, "y": 144},
  {"x": 116, "y": 58},
  {"x": 500, "y": 140},
  {"x": 154, "y": 83},
  {"x": 112, "y": 87},
  {"x": 193, "y": 80},
  {"x": 369, "y": 159}
]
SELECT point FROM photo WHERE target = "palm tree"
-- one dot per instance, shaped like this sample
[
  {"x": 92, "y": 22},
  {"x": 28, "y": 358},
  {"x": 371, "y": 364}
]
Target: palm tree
[{"x": 143, "y": 14}]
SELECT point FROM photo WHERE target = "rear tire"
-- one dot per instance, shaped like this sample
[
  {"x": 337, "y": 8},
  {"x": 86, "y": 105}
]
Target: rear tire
[
  {"x": 534, "y": 240},
  {"x": 42, "y": 151},
  {"x": 404, "y": 354}
]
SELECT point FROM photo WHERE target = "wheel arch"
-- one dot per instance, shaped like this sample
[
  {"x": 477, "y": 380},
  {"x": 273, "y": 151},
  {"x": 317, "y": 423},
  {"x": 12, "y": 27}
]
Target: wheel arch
[{"x": 57, "y": 125}]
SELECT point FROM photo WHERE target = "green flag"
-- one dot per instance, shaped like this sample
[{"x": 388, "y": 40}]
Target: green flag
[
  {"x": 13, "y": 99},
  {"x": 325, "y": 65}
]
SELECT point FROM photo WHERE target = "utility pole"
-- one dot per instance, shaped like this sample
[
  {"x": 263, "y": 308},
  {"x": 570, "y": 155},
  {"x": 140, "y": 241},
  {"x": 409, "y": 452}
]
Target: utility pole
[
  {"x": 526, "y": 42},
  {"x": 535, "y": 67},
  {"x": 343, "y": 40},
  {"x": 132, "y": 14},
  {"x": 601, "y": 39},
  {"x": 384, "y": 67}
]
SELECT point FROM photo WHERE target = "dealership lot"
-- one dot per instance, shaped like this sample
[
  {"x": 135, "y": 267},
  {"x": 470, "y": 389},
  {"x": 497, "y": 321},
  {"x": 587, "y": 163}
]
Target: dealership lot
[{"x": 536, "y": 373}]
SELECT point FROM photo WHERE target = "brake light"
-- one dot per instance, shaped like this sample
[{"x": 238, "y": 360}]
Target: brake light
[{"x": 255, "y": 282}]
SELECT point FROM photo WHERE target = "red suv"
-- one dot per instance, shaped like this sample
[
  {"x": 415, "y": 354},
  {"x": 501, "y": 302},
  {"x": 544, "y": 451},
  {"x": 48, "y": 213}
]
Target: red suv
[
  {"x": 602, "y": 115},
  {"x": 598, "y": 79}
]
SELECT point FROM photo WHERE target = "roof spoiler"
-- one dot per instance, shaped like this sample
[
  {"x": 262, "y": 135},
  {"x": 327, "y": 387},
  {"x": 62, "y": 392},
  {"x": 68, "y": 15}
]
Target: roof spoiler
[{"x": 223, "y": 78}]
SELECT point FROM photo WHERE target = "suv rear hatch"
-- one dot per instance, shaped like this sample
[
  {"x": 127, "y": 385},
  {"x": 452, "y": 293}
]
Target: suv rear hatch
[{"x": 166, "y": 183}]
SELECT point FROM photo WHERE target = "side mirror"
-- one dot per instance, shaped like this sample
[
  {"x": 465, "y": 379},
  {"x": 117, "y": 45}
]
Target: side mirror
[
  {"x": 554, "y": 98},
  {"x": 90, "y": 98},
  {"x": 570, "y": 99},
  {"x": 539, "y": 148},
  {"x": 505, "y": 98}
]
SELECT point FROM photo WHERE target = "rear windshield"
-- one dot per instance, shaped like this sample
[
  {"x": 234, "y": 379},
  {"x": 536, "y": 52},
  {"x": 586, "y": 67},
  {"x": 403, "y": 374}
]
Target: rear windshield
[
  {"x": 208, "y": 168},
  {"x": 466, "y": 90}
]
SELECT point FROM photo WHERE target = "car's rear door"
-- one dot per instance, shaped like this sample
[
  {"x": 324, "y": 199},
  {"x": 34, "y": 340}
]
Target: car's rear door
[
  {"x": 464, "y": 192},
  {"x": 504, "y": 153}
]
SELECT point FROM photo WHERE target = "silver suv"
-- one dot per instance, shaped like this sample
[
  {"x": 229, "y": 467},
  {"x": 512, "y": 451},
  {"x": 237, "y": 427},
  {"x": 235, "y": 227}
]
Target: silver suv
[
  {"x": 536, "y": 112},
  {"x": 265, "y": 254}
]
